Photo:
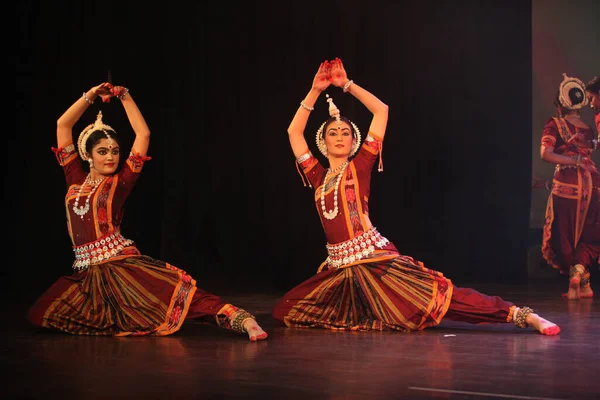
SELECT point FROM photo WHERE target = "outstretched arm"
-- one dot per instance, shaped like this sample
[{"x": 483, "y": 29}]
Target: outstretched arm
[
  {"x": 136, "y": 119},
  {"x": 378, "y": 108},
  {"x": 64, "y": 125},
  {"x": 298, "y": 124}
]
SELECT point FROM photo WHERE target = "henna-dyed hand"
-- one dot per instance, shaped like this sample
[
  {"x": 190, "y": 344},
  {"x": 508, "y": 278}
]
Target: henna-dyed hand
[
  {"x": 338, "y": 73},
  {"x": 588, "y": 164},
  {"x": 321, "y": 80},
  {"x": 103, "y": 90},
  {"x": 118, "y": 90}
]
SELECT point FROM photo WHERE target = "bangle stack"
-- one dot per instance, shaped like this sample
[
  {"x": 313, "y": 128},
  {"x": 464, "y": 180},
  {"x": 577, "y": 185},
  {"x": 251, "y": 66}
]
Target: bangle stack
[{"x": 90, "y": 102}]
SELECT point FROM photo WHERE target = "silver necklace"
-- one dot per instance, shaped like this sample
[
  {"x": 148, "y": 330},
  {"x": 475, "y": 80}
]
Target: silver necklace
[
  {"x": 331, "y": 214},
  {"x": 81, "y": 211}
]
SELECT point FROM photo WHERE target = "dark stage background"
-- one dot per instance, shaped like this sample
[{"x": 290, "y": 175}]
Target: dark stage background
[{"x": 219, "y": 83}]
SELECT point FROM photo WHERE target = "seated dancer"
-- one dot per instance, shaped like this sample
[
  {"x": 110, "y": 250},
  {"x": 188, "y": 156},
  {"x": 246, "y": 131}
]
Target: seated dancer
[
  {"x": 365, "y": 283},
  {"x": 571, "y": 234},
  {"x": 114, "y": 289}
]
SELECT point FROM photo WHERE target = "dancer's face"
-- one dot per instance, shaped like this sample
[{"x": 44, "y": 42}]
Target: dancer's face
[
  {"x": 338, "y": 137},
  {"x": 106, "y": 157}
]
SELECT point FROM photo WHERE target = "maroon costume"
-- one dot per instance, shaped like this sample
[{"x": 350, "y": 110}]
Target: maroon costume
[
  {"x": 365, "y": 283},
  {"x": 571, "y": 232},
  {"x": 114, "y": 289}
]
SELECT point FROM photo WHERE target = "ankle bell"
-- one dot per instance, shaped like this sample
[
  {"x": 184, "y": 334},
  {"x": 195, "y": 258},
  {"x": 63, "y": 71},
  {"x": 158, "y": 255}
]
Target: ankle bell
[
  {"x": 576, "y": 271},
  {"x": 520, "y": 317}
]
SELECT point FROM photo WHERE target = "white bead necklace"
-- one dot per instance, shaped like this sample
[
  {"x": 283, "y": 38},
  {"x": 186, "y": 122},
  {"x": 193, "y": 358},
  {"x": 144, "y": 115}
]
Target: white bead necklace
[
  {"x": 81, "y": 211},
  {"x": 332, "y": 213}
]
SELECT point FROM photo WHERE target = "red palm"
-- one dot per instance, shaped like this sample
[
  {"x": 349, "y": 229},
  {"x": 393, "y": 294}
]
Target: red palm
[
  {"x": 321, "y": 80},
  {"x": 338, "y": 73}
]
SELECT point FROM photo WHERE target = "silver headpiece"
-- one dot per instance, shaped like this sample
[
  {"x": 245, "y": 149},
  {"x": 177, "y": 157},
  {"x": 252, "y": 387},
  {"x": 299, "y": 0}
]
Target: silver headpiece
[
  {"x": 571, "y": 93},
  {"x": 335, "y": 112},
  {"x": 85, "y": 135}
]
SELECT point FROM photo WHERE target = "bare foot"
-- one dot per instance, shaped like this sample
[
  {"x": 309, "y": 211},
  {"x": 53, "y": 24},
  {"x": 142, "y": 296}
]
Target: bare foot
[
  {"x": 573, "y": 292},
  {"x": 255, "y": 332},
  {"x": 544, "y": 326},
  {"x": 584, "y": 293}
]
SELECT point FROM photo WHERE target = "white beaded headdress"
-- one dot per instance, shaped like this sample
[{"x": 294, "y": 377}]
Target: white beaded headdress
[
  {"x": 571, "y": 93},
  {"x": 85, "y": 134},
  {"x": 335, "y": 112}
]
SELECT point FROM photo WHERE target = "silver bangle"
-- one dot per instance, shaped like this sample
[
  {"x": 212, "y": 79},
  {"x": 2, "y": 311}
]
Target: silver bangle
[
  {"x": 304, "y": 157},
  {"x": 307, "y": 108},
  {"x": 122, "y": 95},
  {"x": 86, "y": 98},
  {"x": 347, "y": 86}
]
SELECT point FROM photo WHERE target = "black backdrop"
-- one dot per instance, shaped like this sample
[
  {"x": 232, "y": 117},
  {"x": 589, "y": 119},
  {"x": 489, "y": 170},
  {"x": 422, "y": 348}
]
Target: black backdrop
[{"x": 219, "y": 82}]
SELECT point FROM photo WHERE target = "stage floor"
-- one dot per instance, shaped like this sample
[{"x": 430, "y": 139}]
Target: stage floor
[{"x": 202, "y": 361}]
